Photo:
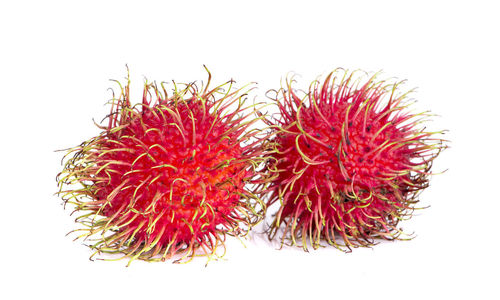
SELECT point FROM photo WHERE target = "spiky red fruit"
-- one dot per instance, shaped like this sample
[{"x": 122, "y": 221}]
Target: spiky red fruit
[
  {"x": 168, "y": 176},
  {"x": 351, "y": 160}
]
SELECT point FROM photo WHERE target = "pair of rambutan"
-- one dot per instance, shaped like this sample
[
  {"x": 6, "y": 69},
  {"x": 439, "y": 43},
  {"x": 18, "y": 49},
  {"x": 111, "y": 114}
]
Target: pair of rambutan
[{"x": 171, "y": 176}]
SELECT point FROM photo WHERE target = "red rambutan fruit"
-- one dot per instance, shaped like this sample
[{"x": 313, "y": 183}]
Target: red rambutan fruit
[
  {"x": 171, "y": 175},
  {"x": 351, "y": 161}
]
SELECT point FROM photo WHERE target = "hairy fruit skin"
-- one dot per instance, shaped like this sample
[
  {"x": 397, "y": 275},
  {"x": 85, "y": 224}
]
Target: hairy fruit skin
[
  {"x": 168, "y": 176},
  {"x": 351, "y": 162}
]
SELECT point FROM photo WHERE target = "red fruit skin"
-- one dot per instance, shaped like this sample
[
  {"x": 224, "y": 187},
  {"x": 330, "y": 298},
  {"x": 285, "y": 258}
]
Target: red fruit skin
[
  {"x": 169, "y": 176},
  {"x": 351, "y": 161}
]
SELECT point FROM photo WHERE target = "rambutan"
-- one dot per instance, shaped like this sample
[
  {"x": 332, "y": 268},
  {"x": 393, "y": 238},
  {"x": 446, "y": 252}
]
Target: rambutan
[
  {"x": 170, "y": 176},
  {"x": 351, "y": 161}
]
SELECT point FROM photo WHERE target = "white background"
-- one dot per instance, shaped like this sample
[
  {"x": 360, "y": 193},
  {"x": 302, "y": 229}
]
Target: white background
[{"x": 56, "y": 59}]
